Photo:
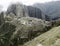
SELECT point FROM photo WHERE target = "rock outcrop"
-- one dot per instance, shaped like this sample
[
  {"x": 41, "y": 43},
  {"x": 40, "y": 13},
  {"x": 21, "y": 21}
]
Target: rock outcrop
[
  {"x": 21, "y": 10},
  {"x": 35, "y": 12},
  {"x": 18, "y": 9}
]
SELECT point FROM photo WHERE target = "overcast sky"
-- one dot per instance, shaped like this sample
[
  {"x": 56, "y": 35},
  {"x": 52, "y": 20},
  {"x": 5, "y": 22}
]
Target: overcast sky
[{"x": 5, "y": 3}]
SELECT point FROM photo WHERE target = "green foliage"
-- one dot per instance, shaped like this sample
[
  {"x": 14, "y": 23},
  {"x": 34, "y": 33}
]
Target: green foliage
[
  {"x": 56, "y": 23},
  {"x": 5, "y": 33}
]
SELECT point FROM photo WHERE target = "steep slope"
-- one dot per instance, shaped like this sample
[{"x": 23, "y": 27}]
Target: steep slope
[
  {"x": 50, "y": 38},
  {"x": 35, "y": 12},
  {"x": 52, "y": 9},
  {"x": 18, "y": 9},
  {"x": 21, "y": 10}
]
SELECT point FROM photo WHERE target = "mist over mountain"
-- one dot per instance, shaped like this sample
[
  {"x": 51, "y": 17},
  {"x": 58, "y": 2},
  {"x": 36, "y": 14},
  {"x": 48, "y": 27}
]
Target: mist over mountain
[
  {"x": 23, "y": 25},
  {"x": 21, "y": 10},
  {"x": 35, "y": 12},
  {"x": 52, "y": 9}
]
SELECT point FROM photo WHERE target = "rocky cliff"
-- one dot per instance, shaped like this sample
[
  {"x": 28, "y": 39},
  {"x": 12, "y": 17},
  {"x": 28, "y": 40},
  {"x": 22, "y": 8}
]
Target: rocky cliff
[{"x": 21, "y": 10}]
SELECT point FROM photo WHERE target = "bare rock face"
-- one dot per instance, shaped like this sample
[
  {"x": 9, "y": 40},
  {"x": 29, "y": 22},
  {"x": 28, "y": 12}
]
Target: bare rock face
[
  {"x": 35, "y": 12},
  {"x": 21, "y": 10},
  {"x": 18, "y": 9}
]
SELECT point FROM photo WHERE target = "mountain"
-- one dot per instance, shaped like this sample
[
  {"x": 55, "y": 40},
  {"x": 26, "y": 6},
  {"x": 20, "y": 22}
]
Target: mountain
[
  {"x": 52, "y": 9},
  {"x": 23, "y": 10},
  {"x": 50, "y": 38},
  {"x": 18, "y": 9},
  {"x": 35, "y": 12}
]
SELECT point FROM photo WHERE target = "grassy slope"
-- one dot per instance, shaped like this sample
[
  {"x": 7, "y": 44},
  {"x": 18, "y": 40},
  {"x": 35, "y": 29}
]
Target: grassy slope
[{"x": 50, "y": 38}]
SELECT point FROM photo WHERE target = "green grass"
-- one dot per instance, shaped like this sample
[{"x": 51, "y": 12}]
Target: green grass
[{"x": 50, "y": 38}]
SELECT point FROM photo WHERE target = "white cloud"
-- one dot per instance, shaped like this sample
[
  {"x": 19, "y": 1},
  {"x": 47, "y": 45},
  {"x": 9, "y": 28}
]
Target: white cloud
[{"x": 5, "y": 3}]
